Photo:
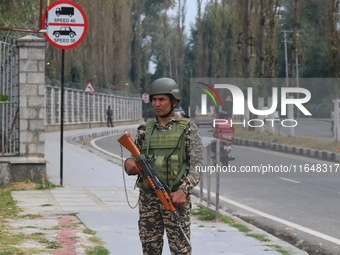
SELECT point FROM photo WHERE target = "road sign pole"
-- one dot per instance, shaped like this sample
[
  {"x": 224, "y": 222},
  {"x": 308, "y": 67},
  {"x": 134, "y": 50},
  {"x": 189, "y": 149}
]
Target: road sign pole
[
  {"x": 64, "y": 33},
  {"x": 90, "y": 110},
  {"x": 62, "y": 116}
]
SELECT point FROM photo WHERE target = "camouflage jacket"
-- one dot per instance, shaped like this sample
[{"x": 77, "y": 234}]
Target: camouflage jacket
[{"x": 194, "y": 150}]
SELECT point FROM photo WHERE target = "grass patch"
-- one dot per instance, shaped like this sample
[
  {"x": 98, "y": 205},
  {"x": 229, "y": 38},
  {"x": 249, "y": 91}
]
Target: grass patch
[
  {"x": 10, "y": 242},
  {"x": 204, "y": 214},
  {"x": 260, "y": 237},
  {"x": 96, "y": 240},
  {"x": 12, "y": 251},
  {"x": 8, "y": 208},
  {"x": 97, "y": 250},
  {"x": 93, "y": 239},
  {"x": 279, "y": 249},
  {"x": 242, "y": 228},
  {"x": 89, "y": 231}
]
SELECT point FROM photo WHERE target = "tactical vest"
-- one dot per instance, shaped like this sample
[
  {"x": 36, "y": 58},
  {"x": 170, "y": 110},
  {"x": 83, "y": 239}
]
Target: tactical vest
[{"x": 166, "y": 149}]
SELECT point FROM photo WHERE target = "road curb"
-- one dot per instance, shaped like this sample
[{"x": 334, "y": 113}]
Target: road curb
[
  {"x": 293, "y": 250},
  {"x": 301, "y": 151},
  {"x": 76, "y": 138}
]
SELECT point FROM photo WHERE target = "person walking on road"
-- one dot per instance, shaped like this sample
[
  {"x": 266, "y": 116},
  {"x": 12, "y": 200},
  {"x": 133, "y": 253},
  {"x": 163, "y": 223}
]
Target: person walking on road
[
  {"x": 109, "y": 117},
  {"x": 174, "y": 144}
]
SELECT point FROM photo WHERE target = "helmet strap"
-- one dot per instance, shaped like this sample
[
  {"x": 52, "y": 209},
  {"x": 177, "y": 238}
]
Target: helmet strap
[{"x": 170, "y": 112}]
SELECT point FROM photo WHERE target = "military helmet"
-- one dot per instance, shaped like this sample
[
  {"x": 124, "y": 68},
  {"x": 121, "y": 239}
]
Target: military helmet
[{"x": 165, "y": 86}]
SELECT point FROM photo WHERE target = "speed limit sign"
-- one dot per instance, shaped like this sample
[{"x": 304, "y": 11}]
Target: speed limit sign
[{"x": 65, "y": 23}]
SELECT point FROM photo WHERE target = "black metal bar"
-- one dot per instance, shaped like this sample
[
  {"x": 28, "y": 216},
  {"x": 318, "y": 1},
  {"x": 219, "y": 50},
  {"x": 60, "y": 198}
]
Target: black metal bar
[{"x": 62, "y": 116}]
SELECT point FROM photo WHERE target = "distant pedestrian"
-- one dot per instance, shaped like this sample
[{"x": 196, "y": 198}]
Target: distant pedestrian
[{"x": 109, "y": 117}]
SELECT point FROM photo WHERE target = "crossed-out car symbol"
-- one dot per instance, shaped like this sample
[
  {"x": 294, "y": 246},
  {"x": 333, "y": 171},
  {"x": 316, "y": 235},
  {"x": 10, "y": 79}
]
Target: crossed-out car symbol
[{"x": 64, "y": 31}]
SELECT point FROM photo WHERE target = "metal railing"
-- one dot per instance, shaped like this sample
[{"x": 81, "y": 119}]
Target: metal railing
[
  {"x": 9, "y": 98},
  {"x": 9, "y": 128},
  {"x": 205, "y": 188},
  {"x": 81, "y": 107}
]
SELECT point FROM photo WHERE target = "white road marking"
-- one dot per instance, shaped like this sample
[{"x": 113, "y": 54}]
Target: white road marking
[
  {"x": 289, "y": 180},
  {"x": 277, "y": 219},
  {"x": 93, "y": 143}
]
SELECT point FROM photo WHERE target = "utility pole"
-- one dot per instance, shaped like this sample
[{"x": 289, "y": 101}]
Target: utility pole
[
  {"x": 286, "y": 54},
  {"x": 169, "y": 57},
  {"x": 287, "y": 65}
]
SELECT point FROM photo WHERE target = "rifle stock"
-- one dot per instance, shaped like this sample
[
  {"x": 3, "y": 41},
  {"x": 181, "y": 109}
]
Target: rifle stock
[
  {"x": 128, "y": 143},
  {"x": 146, "y": 166}
]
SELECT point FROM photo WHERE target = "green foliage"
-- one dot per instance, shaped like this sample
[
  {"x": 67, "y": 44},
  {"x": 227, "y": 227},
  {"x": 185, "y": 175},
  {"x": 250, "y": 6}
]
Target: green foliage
[
  {"x": 4, "y": 98},
  {"x": 77, "y": 73},
  {"x": 8, "y": 208},
  {"x": 279, "y": 249},
  {"x": 89, "y": 231},
  {"x": 28, "y": 10},
  {"x": 203, "y": 214},
  {"x": 260, "y": 237},
  {"x": 12, "y": 251},
  {"x": 97, "y": 250}
]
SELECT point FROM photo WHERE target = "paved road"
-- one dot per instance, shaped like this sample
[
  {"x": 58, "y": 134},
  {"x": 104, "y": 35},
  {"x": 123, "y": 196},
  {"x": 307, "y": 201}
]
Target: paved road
[
  {"x": 320, "y": 129},
  {"x": 314, "y": 128},
  {"x": 310, "y": 202}
]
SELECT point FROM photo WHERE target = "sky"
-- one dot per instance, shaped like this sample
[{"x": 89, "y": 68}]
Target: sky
[
  {"x": 191, "y": 12},
  {"x": 189, "y": 20}
]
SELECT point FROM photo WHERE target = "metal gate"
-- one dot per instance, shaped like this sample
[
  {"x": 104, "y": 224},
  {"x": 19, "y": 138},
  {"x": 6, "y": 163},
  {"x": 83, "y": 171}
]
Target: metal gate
[{"x": 9, "y": 99}]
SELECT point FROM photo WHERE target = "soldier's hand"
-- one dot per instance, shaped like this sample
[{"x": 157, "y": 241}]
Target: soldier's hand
[
  {"x": 178, "y": 197},
  {"x": 131, "y": 167}
]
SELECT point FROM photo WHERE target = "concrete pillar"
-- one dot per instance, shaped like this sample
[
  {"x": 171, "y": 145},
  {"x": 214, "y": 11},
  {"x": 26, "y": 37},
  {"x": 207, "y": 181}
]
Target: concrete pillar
[
  {"x": 336, "y": 126},
  {"x": 32, "y": 96},
  {"x": 30, "y": 163},
  {"x": 290, "y": 115}
]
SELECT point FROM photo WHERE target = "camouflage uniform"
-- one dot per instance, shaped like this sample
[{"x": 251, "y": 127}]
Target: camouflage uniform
[{"x": 153, "y": 217}]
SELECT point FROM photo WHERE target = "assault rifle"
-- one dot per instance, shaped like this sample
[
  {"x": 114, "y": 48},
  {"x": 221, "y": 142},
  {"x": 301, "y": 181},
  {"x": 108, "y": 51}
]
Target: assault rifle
[{"x": 147, "y": 172}]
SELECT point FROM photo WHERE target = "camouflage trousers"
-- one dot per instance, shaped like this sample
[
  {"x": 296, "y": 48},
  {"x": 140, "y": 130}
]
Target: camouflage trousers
[{"x": 153, "y": 220}]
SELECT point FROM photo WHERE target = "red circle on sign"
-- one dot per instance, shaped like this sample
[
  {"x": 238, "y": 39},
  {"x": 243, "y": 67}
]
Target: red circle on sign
[{"x": 84, "y": 25}]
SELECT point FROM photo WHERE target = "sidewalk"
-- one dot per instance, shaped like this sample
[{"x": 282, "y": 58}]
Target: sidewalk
[{"x": 93, "y": 188}]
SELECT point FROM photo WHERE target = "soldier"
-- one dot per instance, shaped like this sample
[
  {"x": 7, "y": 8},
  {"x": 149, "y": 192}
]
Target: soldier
[
  {"x": 109, "y": 117},
  {"x": 174, "y": 144}
]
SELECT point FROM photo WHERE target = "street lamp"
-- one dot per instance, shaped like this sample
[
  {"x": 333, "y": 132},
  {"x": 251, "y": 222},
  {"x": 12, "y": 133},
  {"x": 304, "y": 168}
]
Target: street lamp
[{"x": 126, "y": 89}]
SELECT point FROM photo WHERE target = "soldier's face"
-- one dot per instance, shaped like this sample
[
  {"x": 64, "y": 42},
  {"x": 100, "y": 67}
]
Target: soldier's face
[{"x": 161, "y": 104}]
